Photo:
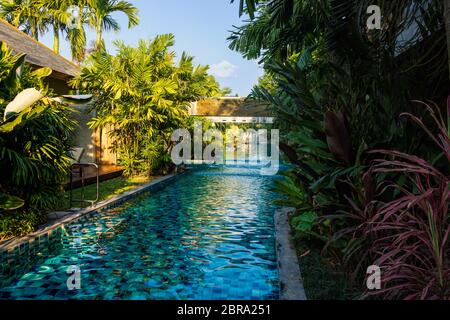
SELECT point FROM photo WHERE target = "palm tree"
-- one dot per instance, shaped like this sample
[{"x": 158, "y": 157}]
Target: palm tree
[
  {"x": 100, "y": 16},
  {"x": 145, "y": 94},
  {"x": 247, "y": 5},
  {"x": 77, "y": 36},
  {"x": 56, "y": 15},
  {"x": 25, "y": 14}
]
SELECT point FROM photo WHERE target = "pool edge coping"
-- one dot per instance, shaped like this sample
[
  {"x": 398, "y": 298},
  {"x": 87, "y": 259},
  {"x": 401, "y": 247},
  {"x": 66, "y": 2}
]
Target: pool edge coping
[
  {"x": 70, "y": 216},
  {"x": 290, "y": 278}
]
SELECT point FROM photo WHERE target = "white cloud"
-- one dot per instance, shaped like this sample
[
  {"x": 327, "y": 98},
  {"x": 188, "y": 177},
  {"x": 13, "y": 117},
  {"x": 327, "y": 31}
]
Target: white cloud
[{"x": 223, "y": 69}]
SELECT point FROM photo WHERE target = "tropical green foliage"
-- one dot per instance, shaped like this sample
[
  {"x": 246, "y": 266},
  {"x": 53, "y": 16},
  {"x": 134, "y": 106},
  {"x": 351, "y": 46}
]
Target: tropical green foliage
[
  {"x": 8, "y": 202},
  {"x": 99, "y": 16},
  {"x": 142, "y": 96},
  {"x": 338, "y": 90},
  {"x": 19, "y": 223},
  {"x": 24, "y": 13},
  {"x": 36, "y": 17},
  {"x": 411, "y": 228},
  {"x": 56, "y": 16},
  {"x": 34, "y": 143}
]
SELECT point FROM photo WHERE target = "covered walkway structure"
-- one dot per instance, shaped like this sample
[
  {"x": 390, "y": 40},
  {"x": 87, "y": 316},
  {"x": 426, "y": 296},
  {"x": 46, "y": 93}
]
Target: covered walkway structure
[{"x": 231, "y": 110}]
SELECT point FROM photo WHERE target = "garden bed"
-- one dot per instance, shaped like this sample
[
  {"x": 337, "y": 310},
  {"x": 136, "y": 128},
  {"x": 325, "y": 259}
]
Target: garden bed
[{"x": 321, "y": 279}]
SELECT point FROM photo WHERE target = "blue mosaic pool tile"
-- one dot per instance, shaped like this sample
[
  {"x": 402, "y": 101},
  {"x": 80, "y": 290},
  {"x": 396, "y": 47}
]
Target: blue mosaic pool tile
[{"x": 206, "y": 235}]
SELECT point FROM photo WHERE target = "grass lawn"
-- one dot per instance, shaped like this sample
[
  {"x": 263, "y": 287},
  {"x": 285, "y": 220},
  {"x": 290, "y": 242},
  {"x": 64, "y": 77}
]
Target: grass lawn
[{"x": 107, "y": 189}]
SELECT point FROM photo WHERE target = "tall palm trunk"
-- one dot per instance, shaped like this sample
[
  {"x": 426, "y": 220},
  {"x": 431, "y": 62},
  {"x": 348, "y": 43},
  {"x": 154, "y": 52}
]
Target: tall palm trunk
[
  {"x": 99, "y": 30},
  {"x": 77, "y": 37},
  {"x": 34, "y": 32},
  {"x": 56, "y": 38},
  {"x": 80, "y": 21},
  {"x": 447, "y": 27}
]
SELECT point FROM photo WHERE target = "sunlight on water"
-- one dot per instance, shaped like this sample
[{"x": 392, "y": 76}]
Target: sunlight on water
[{"x": 207, "y": 235}]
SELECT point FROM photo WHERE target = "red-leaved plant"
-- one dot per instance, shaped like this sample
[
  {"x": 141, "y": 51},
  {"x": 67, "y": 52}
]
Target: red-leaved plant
[{"x": 411, "y": 233}]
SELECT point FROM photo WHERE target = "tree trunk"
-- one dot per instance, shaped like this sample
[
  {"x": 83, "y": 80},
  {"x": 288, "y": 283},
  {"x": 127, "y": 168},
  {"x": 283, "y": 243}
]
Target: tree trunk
[
  {"x": 100, "y": 36},
  {"x": 447, "y": 27},
  {"x": 56, "y": 38},
  {"x": 34, "y": 32},
  {"x": 79, "y": 54}
]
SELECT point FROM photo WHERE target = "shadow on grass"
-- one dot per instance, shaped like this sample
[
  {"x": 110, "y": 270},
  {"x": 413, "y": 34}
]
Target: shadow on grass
[{"x": 107, "y": 190}]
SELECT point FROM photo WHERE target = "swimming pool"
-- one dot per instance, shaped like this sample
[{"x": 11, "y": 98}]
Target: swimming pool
[{"x": 209, "y": 234}]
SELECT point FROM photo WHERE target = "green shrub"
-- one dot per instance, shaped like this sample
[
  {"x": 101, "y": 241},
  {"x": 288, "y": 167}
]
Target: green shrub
[
  {"x": 35, "y": 146},
  {"x": 35, "y": 143},
  {"x": 143, "y": 95},
  {"x": 18, "y": 224},
  {"x": 337, "y": 89}
]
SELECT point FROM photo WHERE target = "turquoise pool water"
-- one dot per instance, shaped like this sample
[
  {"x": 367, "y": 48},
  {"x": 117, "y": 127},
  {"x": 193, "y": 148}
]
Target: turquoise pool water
[{"x": 209, "y": 234}]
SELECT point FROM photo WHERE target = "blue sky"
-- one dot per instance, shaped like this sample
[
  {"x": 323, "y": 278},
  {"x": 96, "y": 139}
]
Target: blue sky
[{"x": 201, "y": 28}]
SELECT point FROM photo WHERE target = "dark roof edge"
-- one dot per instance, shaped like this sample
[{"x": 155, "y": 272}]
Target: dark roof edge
[{"x": 50, "y": 51}]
